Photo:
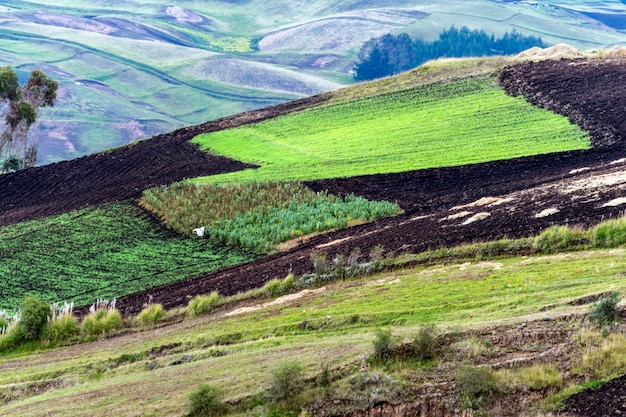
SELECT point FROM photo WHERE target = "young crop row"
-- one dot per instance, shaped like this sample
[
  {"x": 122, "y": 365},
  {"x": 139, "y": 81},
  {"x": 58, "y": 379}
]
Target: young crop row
[
  {"x": 257, "y": 216},
  {"x": 466, "y": 121},
  {"x": 109, "y": 251}
]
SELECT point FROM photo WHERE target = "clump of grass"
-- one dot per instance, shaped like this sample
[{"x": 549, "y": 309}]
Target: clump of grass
[
  {"x": 559, "y": 238},
  {"x": 103, "y": 318},
  {"x": 202, "y": 304},
  {"x": 471, "y": 348},
  {"x": 277, "y": 287},
  {"x": 366, "y": 389},
  {"x": 605, "y": 311},
  {"x": 608, "y": 361},
  {"x": 151, "y": 315},
  {"x": 609, "y": 234},
  {"x": 63, "y": 325},
  {"x": 536, "y": 378},
  {"x": 206, "y": 401}
]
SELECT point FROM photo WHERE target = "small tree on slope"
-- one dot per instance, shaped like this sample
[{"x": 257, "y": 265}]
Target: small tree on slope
[{"x": 19, "y": 106}]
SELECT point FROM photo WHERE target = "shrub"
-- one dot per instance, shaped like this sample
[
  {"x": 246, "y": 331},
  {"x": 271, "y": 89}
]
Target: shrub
[
  {"x": 385, "y": 347},
  {"x": 34, "y": 314},
  {"x": 605, "y": 311},
  {"x": 63, "y": 328},
  {"x": 425, "y": 344},
  {"x": 206, "y": 401},
  {"x": 368, "y": 389},
  {"x": 151, "y": 315},
  {"x": 100, "y": 322},
  {"x": 286, "y": 382},
  {"x": 202, "y": 304},
  {"x": 475, "y": 385},
  {"x": 9, "y": 340}
]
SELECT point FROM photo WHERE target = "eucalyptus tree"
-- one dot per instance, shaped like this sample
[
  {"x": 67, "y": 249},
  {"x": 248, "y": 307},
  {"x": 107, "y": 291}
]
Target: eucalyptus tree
[{"x": 20, "y": 105}]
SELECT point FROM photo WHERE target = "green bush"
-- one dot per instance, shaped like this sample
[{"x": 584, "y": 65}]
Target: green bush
[
  {"x": 206, "y": 401},
  {"x": 385, "y": 347},
  {"x": 101, "y": 322},
  {"x": 475, "y": 385},
  {"x": 63, "y": 328},
  {"x": 151, "y": 315},
  {"x": 286, "y": 382},
  {"x": 202, "y": 304},
  {"x": 605, "y": 311},
  {"x": 34, "y": 314},
  {"x": 425, "y": 344},
  {"x": 9, "y": 341}
]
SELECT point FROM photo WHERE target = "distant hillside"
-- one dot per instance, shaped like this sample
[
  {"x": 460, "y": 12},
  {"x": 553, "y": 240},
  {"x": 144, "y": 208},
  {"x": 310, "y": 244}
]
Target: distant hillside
[{"x": 130, "y": 70}]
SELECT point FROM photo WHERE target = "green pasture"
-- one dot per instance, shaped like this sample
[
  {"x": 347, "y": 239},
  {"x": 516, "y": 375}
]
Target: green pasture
[
  {"x": 103, "y": 252},
  {"x": 238, "y": 350},
  {"x": 457, "y": 123}
]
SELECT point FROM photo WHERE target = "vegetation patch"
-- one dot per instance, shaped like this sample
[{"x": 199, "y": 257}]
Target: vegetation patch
[
  {"x": 102, "y": 252},
  {"x": 258, "y": 216},
  {"x": 456, "y": 123}
]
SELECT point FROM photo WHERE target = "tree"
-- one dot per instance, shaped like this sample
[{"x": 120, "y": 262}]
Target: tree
[{"x": 19, "y": 106}]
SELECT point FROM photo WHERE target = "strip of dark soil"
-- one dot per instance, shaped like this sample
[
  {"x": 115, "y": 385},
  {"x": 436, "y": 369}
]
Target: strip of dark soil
[{"x": 607, "y": 400}]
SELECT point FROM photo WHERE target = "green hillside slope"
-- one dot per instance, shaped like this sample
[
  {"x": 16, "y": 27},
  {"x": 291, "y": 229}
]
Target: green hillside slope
[
  {"x": 152, "y": 372},
  {"x": 456, "y": 123},
  {"x": 129, "y": 70}
]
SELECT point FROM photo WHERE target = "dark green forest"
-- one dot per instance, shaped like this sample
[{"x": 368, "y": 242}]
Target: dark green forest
[{"x": 390, "y": 55}]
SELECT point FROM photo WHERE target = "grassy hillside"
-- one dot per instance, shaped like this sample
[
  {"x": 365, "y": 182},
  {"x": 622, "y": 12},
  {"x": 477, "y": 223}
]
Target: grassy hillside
[
  {"x": 456, "y": 123},
  {"x": 130, "y": 70},
  {"x": 152, "y": 372}
]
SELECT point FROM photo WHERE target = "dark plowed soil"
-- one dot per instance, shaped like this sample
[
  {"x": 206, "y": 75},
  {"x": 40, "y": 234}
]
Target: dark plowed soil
[
  {"x": 591, "y": 92},
  {"x": 607, "y": 400}
]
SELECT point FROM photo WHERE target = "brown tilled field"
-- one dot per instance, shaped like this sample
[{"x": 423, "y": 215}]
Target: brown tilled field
[{"x": 443, "y": 207}]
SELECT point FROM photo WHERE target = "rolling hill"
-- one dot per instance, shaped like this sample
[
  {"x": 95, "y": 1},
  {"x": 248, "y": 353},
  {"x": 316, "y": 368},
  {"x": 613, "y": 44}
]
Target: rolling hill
[
  {"x": 504, "y": 254},
  {"x": 131, "y": 70}
]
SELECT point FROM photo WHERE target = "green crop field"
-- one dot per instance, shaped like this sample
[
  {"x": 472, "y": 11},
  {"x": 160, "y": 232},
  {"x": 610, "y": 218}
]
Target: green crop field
[
  {"x": 461, "y": 122},
  {"x": 103, "y": 252}
]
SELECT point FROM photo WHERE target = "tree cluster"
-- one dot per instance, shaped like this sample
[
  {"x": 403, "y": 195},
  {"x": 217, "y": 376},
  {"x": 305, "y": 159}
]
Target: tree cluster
[
  {"x": 389, "y": 54},
  {"x": 19, "y": 106}
]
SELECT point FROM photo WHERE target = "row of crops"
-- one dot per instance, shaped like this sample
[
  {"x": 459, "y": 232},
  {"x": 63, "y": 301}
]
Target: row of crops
[
  {"x": 466, "y": 121},
  {"x": 258, "y": 216},
  {"x": 102, "y": 252}
]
